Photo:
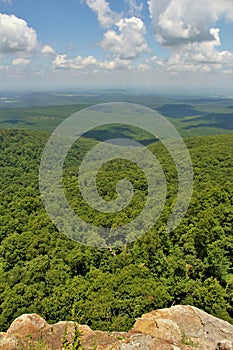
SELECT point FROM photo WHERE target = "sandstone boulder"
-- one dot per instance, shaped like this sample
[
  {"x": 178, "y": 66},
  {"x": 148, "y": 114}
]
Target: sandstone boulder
[
  {"x": 186, "y": 325},
  {"x": 175, "y": 328}
]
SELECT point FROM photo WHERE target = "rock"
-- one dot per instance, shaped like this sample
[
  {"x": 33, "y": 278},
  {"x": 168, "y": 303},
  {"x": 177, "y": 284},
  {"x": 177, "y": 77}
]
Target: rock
[
  {"x": 225, "y": 345},
  {"x": 139, "y": 342},
  {"x": 175, "y": 328},
  {"x": 30, "y": 331},
  {"x": 186, "y": 326},
  {"x": 8, "y": 343}
]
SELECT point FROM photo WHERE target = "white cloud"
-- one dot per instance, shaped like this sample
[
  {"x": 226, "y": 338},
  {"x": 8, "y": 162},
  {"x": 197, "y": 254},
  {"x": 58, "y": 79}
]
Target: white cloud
[
  {"x": 155, "y": 61},
  {"x": 116, "y": 64},
  {"x": 48, "y": 50},
  {"x": 143, "y": 67},
  {"x": 206, "y": 52},
  {"x": 203, "y": 54},
  {"x": 79, "y": 62},
  {"x": 228, "y": 71},
  {"x": 188, "y": 28},
  {"x": 126, "y": 40},
  {"x": 86, "y": 61},
  {"x": 129, "y": 42},
  {"x": 203, "y": 57},
  {"x": 21, "y": 61},
  {"x": 153, "y": 64},
  {"x": 89, "y": 64},
  {"x": 61, "y": 61},
  {"x": 134, "y": 9},
  {"x": 15, "y": 35},
  {"x": 105, "y": 15},
  {"x": 179, "y": 22}
]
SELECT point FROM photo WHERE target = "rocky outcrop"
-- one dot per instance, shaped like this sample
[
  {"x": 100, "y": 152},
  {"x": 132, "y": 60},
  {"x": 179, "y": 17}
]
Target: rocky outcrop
[{"x": 175, "y": 328}]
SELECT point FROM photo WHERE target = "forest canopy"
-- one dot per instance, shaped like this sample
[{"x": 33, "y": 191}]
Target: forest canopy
[{"x": 43, "y": 271}]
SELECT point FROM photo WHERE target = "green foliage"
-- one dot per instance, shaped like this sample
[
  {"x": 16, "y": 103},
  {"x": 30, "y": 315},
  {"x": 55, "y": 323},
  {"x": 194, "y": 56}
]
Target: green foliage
[
  {"x": 75, "y": 343},
  {"x": 43, "y": 271},
  {"x": 34, "y": 345},
  {"x": 186, "y": 341}
]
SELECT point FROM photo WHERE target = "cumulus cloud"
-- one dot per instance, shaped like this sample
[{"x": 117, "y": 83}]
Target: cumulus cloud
[
  {"x": 203, "y": 54},
  {"x": 48, "y": 50},
  {"x": 126, "y": 40},
  {"x": 89, "y": 64},
  {"x": 155, "y": 61},
  {"x": 189, "y": 29},
  {"x": 105, "y": 15},
  {"x": 79, "y": 62},
  {"x": 15, "y": 35},
  {"x": 20, "y": 61},
  {"x": 129, "y": 42},
  {"x": 203, "y": 57},
  {"x": 206, "y": 52},
  {"x": 179, "y": 22},
  {"x": 152, "y": 64},
  {"x": 116, "y": 64},
  {"x": 61, "y": 61},
  {"x": 134, "y": 9}
]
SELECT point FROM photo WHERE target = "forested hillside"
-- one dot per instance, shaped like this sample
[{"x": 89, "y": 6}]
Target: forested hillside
[{"x": 42, "y": 271}]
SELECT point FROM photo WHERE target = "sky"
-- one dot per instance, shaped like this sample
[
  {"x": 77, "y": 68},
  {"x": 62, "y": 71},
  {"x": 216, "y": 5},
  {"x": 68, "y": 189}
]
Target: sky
[{"x": 180, "y": 45}]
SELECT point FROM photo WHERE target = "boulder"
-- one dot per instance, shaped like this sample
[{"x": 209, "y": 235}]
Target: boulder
[
  {"x": 186, "y": 326},
  {"x": 177, "y": 328}
]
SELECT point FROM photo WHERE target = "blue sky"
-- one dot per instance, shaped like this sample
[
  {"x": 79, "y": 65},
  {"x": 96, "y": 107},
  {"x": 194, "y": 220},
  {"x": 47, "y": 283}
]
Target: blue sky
[{"x": 150, "y": 44}]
